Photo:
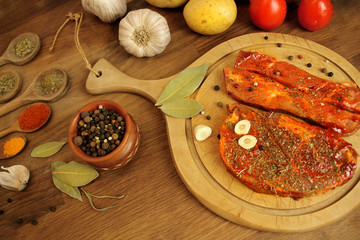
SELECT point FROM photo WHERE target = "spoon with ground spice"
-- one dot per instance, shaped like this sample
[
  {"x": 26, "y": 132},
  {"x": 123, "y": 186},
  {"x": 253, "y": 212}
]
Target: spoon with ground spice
[
  {"x": 48, "y": 86},
  {"x": 10, "y": 85},
  {"x": 12, "y": 146},
  {"x": 21, "y": 49},
  {"x": 31, "y": 119}
]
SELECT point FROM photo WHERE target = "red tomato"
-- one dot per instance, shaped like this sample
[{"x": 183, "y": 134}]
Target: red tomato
[
  {"x": 315, "y": 14},
  {"x": 267, "y": 14}
]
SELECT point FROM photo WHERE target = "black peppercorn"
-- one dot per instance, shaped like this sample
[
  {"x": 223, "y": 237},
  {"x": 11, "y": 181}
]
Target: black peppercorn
[
  {"x": 266, "y": 37},
  {"x": 218, "y": 136},
  {"x": 52, "y": 209},
  {"x": 262, "y": 147},
  {"x": 330, "y": 74},
  {"x": 34, "y": 222},
  {"x": 208, "y": 117},
  {"x": 216, "y": 87},
  {"x": 309, "y": 65},
  {"x": 19, "y": 221},
  {"x": 279, "y": 44},
  {"x": 290, "y": 57},
  {"x": 251, "y": 89},
  {"x": 9, "y": 200},
  {"x": 1, "y": 212}
]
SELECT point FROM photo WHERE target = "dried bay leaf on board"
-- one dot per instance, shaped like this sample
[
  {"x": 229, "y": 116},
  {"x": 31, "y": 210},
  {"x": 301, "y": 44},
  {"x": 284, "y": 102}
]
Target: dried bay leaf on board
[
  {"x": 63, "y": 187},
  {"x": 184, "y": 84},
  {"x": 182, "y": 108},
  {"x": 47, "y": 149},
  {"x": 75, "y": 174}
]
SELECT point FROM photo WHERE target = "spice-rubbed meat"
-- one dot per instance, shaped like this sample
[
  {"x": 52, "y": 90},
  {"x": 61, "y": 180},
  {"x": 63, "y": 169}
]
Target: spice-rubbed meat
[
  {"x": 260, "y": 91},
  {"x": 342, "y": 95},
  {"x": 291, "y": 158}
]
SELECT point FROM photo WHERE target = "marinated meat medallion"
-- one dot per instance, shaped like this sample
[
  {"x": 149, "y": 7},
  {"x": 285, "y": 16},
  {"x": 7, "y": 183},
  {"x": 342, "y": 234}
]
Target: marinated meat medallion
[{"x": 289, "y": 158}]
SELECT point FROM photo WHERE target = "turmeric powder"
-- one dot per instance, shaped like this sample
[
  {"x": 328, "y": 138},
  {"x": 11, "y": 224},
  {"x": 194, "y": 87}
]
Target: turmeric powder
[{"x": 13, "y": 146}]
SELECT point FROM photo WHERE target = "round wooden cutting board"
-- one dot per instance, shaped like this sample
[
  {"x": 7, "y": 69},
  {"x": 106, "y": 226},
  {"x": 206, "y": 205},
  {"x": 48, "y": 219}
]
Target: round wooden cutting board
[{"x": 199, "y": 163}]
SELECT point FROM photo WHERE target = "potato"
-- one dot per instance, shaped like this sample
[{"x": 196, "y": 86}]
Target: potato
[
  {"x": 209, "y": 17},
  {"x": 167, "y": 3}
]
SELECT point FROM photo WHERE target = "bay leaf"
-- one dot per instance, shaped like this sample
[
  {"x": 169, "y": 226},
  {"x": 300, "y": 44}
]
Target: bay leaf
[
  {"x": 182, "y": 108},
  {"x": 47, "y": 149},
  {"x": 184, "y": 84},
  {"x": 63, "y": 187},
  {"x": 75, "y": 174},
  {"x": 66, "y": 188}
]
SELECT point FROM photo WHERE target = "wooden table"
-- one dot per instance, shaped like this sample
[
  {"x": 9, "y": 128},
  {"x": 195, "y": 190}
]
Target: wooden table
[{"x": 157, "y": 204}]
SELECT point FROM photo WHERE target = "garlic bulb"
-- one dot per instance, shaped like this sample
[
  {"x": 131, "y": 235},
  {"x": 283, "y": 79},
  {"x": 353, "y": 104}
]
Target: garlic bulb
[
  {"x": 144, "y": 33},
  {"x": 107, "y": 10},
  {"x": 16, "y": 177}
]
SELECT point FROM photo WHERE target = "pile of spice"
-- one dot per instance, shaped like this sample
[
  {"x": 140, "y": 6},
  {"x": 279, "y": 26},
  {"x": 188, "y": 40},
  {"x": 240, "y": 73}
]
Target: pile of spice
[
  {"x": 51, "y": 83},
  {"x": 23, "y": 47},
  {"x": 99, "y": 131},
  {"x": 13, "y": 146},
  {"x": 34, "y": 116},
  {"x": 7, "y": 83}
]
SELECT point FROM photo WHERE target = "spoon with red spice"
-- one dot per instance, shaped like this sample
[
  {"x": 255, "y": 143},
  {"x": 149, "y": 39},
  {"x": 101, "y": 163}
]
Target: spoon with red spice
[
  {"x": 31, "y": 119},
  {"x": 48, "y": 86},
  {"x": 21, "y": 49}
]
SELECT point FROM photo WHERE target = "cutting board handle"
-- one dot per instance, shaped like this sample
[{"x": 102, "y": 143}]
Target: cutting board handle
[{"x": 113, "y": 80}]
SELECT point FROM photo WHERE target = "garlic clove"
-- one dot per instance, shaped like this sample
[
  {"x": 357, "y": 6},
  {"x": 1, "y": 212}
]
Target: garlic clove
[
  {"x": 202, "y": 132},
  {"x": 107, "y": 10},
  {"x": 16, "y": 177},
  {"x": 247, "y": 141},
  {"x": 144, "y": 33},
  {"x": 242, "y": 127}
]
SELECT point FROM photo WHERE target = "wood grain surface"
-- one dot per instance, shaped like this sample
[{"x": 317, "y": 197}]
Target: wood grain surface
[{"x": 157, "y": 203}]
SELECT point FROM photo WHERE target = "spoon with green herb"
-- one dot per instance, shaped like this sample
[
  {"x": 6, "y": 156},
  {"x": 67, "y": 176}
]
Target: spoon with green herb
[
  {"x": 21, "y": 49},
  {"x": 48, "y": 86},
  {"x": 10, "y": 85}
]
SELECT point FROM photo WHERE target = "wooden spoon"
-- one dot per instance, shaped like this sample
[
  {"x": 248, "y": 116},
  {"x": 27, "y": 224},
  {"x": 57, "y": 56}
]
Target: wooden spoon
[
  {"x": 34, "y": 93},
  {"x": 2, "y": 144},
  {"x": 9, "y": 55},
  {"x": 15, "y": 127},
  {"x": 16, "y": 88}
]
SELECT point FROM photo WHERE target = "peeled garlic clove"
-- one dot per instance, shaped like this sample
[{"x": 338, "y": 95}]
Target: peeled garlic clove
[
  {"x": 242, "y": 127},
  {"x": 16, "y": 177},
  {"x": 107, "y": 10},
  {"x": 247, "y": 141},
  {"x": 144, "y": 33},
  {"x": 202, "y": 132}
]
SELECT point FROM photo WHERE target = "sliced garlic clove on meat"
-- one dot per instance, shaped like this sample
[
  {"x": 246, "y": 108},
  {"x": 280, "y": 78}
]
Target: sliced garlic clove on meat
[
  {"x": 242, "y": 127},
  {"x": 247, "y": 141},
  {"x": 202, "y": 132}
]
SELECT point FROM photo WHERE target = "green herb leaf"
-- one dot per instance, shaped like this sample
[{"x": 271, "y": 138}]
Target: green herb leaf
[
  {"x": 88, "y": 195},
  {"x": 182, "y": 108},
  {"x": 47, "y": 149},
  {"x": 184, "y": 84},
  {"x": 75, "y": 174},
  {"x": 65, "y": 188}
]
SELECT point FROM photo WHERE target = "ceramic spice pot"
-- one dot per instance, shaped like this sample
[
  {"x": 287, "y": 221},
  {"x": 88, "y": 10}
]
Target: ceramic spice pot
[{"x": 123, "y": 153}]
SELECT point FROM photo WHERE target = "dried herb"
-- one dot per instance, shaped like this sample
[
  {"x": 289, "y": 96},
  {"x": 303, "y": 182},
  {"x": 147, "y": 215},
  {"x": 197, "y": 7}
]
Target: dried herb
[
  {"x": 51, "y": 83},
  {"x": 182, "y": 108},
  {"x": 184, "y": 84},
  {"x": 7, "y": 83},
  {"x": 23, "y": 47},
  {"x": 47, "y": 149}
]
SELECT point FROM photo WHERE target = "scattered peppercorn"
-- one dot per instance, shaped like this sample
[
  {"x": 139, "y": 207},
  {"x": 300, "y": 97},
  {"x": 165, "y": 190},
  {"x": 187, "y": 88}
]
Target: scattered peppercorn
[
  {"x": 290, "y": 57},
  {"x": 216, "y": 88},
  {"x": 279, "y": 44},
  {"x": 300, "y": 56},
  {"x": 309, "y": 65},
  {"x": 218, "y": 136},
  {"x": 330, "y": 74},
  {"x": 1, "y": 212},
  {"x": 324, "y": 70},
  {"x": 208, "y": 117},
  {"x": 52, "y": 209},
  {"x": 262, "y": 147},
  {"x": 19, "y": 221},
  {"x": 236, "y": 85},
  {"x": 277, "y": 73},
  {"x": 266, "y": 37},
  {"x": 220, "y": 104},
  {"x": 251, "y": 89},
  {"x": 34, "y": 222},
  {"x": 9, "y": 200}
]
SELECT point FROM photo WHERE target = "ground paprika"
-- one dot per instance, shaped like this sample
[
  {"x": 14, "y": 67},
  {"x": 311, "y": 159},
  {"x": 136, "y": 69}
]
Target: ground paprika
[{"x": 34, "y": 116}]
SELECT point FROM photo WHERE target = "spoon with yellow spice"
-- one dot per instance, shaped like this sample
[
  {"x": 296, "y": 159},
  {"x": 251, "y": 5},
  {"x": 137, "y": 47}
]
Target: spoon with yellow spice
[
  {"x": 21, "y": 49},
  {"x": 12, "y": 146}
]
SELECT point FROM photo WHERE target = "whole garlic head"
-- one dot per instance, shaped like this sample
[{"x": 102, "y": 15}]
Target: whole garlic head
[
  {"x": 16, "y": 177},
  {"x": 107, "y": 10},
  {"x": 144, "y": 33}
]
